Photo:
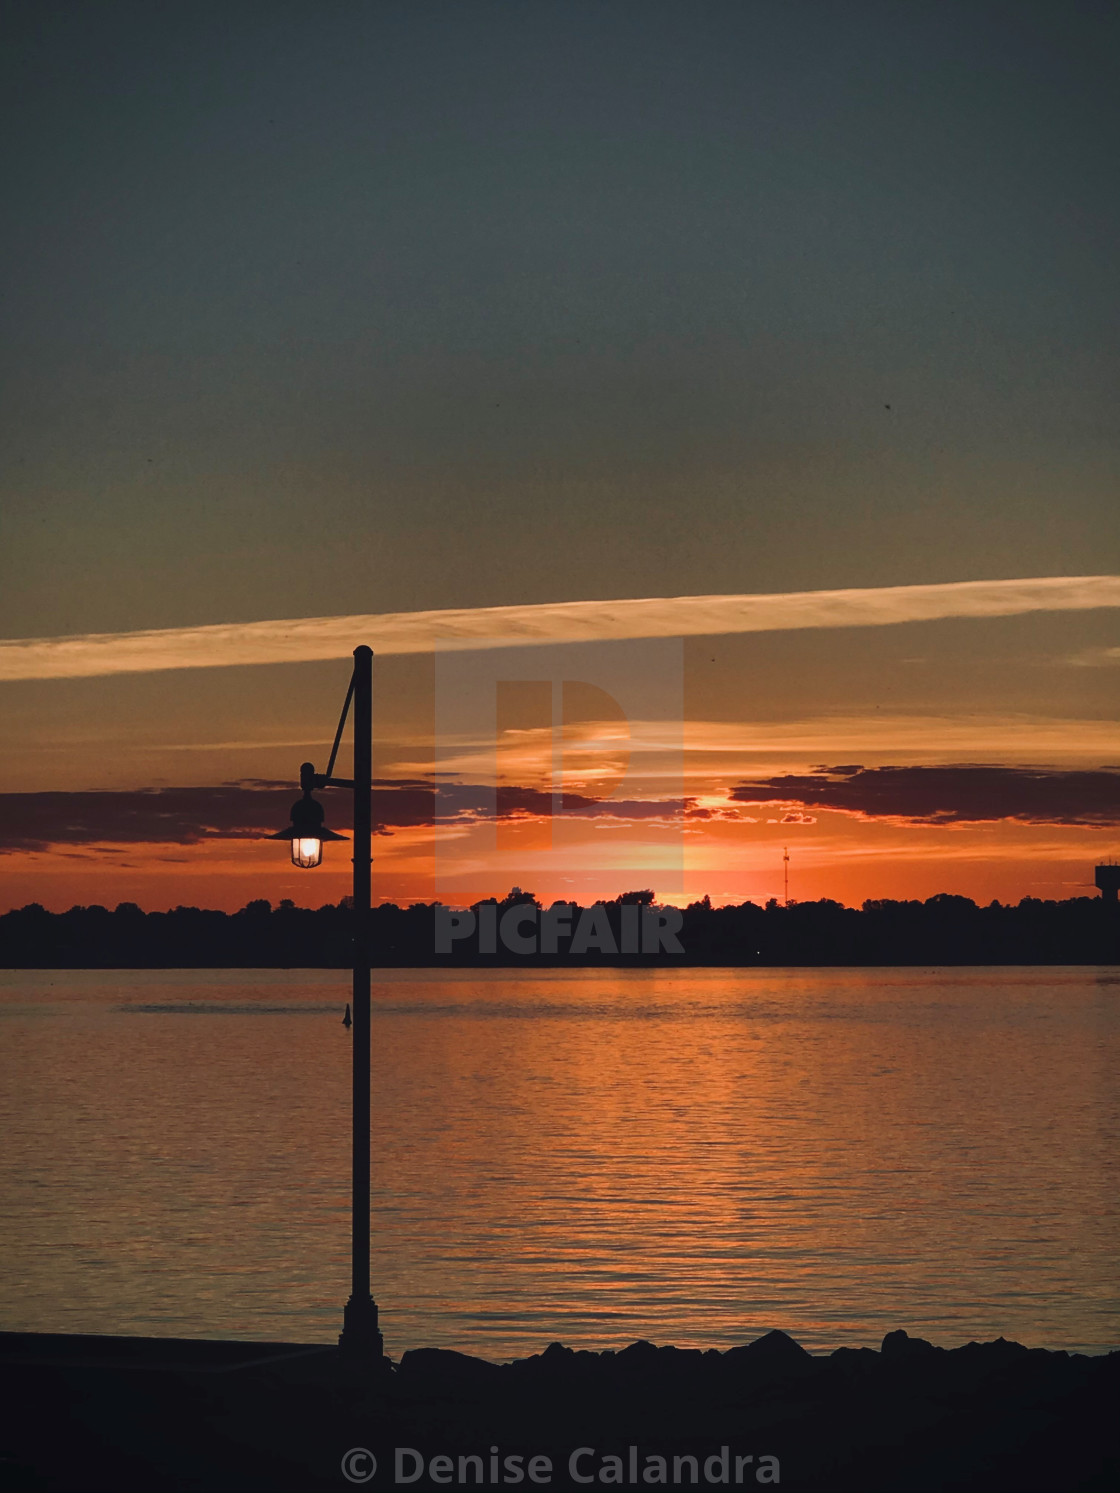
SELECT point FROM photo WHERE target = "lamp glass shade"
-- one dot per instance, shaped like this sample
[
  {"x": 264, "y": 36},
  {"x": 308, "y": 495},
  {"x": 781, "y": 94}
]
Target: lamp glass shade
[
  {"x": 307, "y": 832},
  {"x": 307, "y": 851}
]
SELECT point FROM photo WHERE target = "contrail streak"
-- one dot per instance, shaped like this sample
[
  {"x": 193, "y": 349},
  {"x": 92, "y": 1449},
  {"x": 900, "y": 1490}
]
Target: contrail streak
[{"x": 304, "y": 639}]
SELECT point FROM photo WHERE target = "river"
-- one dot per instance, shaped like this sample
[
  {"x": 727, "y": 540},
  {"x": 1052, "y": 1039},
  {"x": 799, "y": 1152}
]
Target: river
[{"x": 691, "y": 1156}]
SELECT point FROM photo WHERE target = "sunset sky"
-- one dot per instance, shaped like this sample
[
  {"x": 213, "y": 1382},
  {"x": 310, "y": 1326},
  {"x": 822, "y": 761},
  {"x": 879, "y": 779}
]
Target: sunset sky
[{"x": 403, "y": 313}]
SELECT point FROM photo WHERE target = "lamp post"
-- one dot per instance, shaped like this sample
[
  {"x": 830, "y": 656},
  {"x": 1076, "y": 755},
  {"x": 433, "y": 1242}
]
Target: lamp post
[{"x": 360, "y": 1336}]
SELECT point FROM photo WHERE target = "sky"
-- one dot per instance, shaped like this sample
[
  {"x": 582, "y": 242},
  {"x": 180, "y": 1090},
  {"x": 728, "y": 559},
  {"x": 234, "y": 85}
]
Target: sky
[{"x": 426, "y": 310}]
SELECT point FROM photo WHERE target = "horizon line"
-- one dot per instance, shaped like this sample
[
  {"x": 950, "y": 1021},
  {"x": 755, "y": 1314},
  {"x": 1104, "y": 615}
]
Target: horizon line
[
  {"x": 318, "y": 639},
  {"x": 615, "y": 901}
]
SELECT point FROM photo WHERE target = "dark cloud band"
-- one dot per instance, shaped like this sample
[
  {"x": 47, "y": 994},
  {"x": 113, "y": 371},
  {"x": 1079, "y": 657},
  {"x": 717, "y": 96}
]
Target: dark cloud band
[
  {"x": 961, "y": 794},
  {"x": 248, "y": 810}
]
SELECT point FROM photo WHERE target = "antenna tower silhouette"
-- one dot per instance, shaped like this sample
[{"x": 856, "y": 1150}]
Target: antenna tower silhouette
[{"x": 785, "y": 872}]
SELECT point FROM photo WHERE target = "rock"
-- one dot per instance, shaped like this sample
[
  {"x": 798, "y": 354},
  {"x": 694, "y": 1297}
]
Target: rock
[
  {"x": 999, "y": 1352},
  {"x": 855, "y": 1360},
  {"x": 773, "y": 1350},
  {"x": 641, "y": 1351},
  {"x": 444, "y": 1371},
  {"x": 900, "y": 1344}
]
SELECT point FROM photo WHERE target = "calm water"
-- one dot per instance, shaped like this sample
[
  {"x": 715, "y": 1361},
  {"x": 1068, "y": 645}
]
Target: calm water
[{"x": 692, "y": 1157}]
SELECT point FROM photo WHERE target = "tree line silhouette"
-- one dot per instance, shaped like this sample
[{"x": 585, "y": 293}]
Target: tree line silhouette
[{"x": 945, "y": 929}]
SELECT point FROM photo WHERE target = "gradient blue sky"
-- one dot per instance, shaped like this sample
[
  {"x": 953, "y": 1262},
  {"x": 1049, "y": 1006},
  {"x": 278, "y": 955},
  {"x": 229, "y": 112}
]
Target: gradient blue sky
[{"x": 357, "y": 307}]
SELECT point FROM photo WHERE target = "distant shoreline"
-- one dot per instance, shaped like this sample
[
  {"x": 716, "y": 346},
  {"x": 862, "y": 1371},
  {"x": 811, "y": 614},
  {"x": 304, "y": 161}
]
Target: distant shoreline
[
  {"x": 530, "y": 965},
  {"x": 945, "y": 930}
]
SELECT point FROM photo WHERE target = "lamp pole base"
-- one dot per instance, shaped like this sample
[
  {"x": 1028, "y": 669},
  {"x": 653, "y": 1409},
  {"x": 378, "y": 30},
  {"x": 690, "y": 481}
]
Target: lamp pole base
[{"x": 360, "y": 1336}]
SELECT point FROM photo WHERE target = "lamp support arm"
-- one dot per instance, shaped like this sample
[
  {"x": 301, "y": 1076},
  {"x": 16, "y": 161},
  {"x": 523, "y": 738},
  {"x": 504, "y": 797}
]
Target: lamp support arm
[{"x": 341, "y": 723}]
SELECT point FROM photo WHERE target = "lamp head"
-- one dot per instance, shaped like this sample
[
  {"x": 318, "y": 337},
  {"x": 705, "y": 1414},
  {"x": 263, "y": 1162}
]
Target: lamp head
[{"x": 307, "y": 830}]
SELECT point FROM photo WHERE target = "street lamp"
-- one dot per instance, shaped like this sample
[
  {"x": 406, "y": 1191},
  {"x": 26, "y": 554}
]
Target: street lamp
[{"x": 360, "y": 1334}]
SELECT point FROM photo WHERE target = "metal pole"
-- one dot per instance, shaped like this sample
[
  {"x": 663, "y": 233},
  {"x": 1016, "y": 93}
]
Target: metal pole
[{"x": 360, "y": 1333}]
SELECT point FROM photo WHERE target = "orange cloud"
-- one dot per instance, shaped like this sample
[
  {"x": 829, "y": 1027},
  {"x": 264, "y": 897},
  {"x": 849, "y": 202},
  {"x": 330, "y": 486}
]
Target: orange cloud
[{"x": 305, "y": 639}]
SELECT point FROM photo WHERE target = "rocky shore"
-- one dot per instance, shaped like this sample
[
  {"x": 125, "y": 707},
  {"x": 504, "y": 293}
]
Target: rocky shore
[{"x": 124, "y": 1414}]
